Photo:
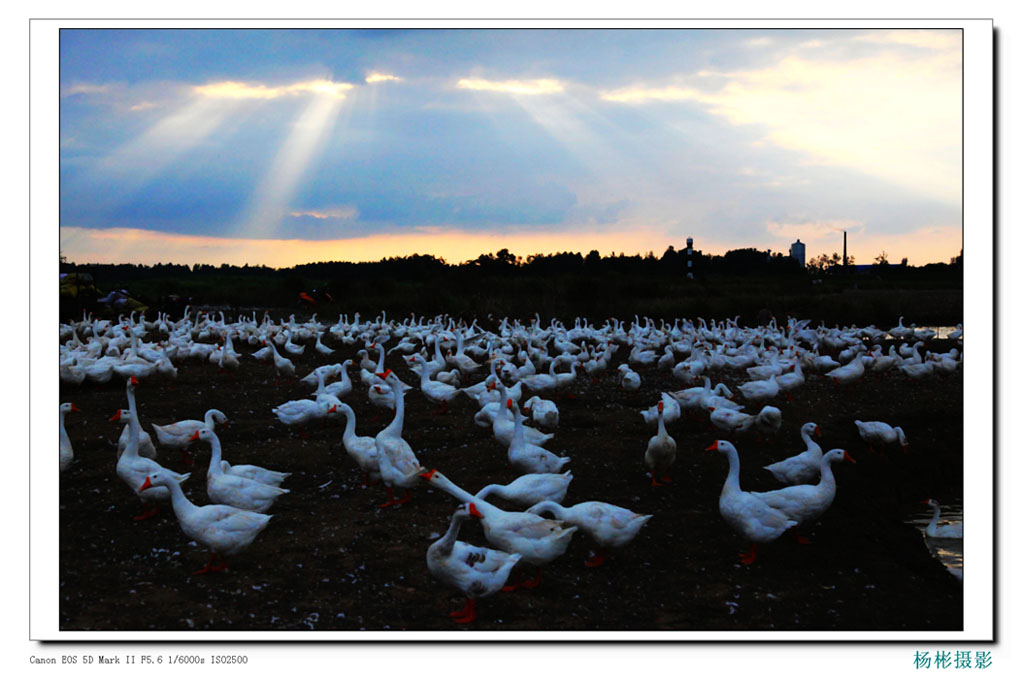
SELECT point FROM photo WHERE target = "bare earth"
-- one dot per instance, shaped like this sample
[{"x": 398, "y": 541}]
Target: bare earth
[{"x": 332, "y": 560}]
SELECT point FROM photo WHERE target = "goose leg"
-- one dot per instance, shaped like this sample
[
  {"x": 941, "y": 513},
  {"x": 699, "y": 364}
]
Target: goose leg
[
  {"x": 408, "y": 496},
  {"x": 799, "y": 537},
  {"x": 535, "y": 580},
  {"x": 390, "y": 498},
  {"x": 463, "y": 611},
  {"x": 597, "y": 560},
  {"x": 469, "y": 614},
  {"x": 750, "y": 556},
  {"x": 207, "y": 568},
  {"x": 148, "y": 513},
  {"x": 515, "y": 585},
  {"x": 221, "y": 567}
]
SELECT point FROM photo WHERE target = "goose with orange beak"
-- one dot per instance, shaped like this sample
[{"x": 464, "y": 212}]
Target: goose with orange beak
[
  {"x": 660, "y": 451},
  {"x": 805, "y": 466},
  {"x": 476, "y": 571},
  {"x": 232, "y": 489},
  {"x": 748, "y": 515},
  {"x": 537, "y": 539},
  {"x": 398, "y": 464},
  {"x": 805, "y": 502},
  {"x": 223, "y": 529}
]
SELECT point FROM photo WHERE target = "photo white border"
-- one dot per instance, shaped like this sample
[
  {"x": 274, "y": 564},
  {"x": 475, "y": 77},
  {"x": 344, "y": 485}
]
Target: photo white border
[{"x": 978, "y": 318}]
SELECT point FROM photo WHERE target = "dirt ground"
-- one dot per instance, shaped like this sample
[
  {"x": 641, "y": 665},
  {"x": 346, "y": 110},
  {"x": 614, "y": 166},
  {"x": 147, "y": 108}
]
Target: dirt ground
[{"x": 332, "y": 560}]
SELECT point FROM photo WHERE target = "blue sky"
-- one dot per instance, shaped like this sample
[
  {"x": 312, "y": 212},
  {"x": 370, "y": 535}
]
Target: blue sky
[{"x": 279, "y": 147}]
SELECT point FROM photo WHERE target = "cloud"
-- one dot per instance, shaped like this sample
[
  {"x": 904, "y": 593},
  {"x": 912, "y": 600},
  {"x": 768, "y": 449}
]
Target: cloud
[
  {"x": 231, "y": 89},
  {"x": 528, "y": 87},
  {"x": 816, "y": 229},
  {"x": 381, "y": 77},
  {"x": 942, "y": 40},
  {"x": 142, "y": 106},
  {"x": 347, "y": 212},
  {"x": 642, "y": 94},
  {"x": 892, "y": 116},
  {"x": 85, "y": 88}
]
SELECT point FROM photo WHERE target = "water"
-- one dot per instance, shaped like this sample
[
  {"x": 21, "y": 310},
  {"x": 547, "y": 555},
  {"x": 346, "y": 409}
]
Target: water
[{"x": 948, "y": 551}]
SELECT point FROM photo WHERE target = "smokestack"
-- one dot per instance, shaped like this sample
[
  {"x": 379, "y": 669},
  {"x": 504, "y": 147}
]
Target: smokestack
[{"x": 845, "y": 252}]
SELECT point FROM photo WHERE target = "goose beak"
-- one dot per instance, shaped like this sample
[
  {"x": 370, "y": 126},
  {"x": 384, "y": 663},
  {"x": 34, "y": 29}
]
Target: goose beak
[
  {"x": 847, "y": 457},
  {"x": 817, "y": 431},
  {"x": 75, "y": 409},
  {"x": 428, "y": 475},
  {"x": 333, "y": 409},
  {"x": 116, "y": 417},
  {"x": 195, "y": 436},
  {"x": 148, "y": 484},
  {"x": 134, "y": 380},
  {"x": 713, "y": 446},
  {"x": 384, "y": 374},
  {"x": 473, "y": 511}
]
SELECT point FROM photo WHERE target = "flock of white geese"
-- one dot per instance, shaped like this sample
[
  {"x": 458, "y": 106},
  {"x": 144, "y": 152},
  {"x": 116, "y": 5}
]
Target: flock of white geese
[{"x": 509, "y": 373}]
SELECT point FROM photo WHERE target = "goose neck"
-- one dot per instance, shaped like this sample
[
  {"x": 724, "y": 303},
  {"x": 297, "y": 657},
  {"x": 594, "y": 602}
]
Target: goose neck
[
  {"x": 349, "y": 422},
  {"x": 732, "y": 480},
  {"x": 179, "y": 501},
  {"x": 447, "y": 542},
  {"x": 551, "y": 506}
]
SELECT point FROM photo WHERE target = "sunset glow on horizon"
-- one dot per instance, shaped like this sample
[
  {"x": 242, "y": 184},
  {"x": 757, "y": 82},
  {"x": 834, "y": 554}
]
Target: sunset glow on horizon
[{"x": 281, "y": 147}]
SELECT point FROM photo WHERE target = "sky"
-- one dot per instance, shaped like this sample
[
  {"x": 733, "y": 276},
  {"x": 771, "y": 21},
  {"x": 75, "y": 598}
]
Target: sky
[{"x": 281, "y": 147}]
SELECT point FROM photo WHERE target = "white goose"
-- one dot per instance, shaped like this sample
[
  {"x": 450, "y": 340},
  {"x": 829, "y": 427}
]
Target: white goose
[
  {"x": 437, "y": 392},
  {"x": 750, "y": 516},
  {"x": 476, "y": 571},
  {"x": 398, "y": 464},
  {"x": 179, "y": 434},
  {"x": 145, "y": 445},
  {"x": 301, "y": 411},
  {"x": 850, "y": 372},
  {"x": 250, "y": 471},
  {"x": 881, "y": 434},
  {"x": 283, "y": 366},
  {"x": 667, "y": 408},
  {"x": 67, "y": 453},
  {"x": 630, "y": 379},
  {"x": 542, "y": 411},
  {"x": 660, "y": 451},
  {"x": 768, "y": 421},
  {"x": 538, "y": 540},
  {"x": 760, "y": 390},
  {"x": 133, "y": 469},
  {"x": 948, "y": 530},
  {"x": 529, "y": 457},
  {"x": 803, "y": 503},
  {"x": 231, "y": 489},
  {"x": 805, "y": 466},
  {"x": 362, "y": 449},
  {"x": 610, "y": 526},
  {"x": 222, "y": 529},
  {"x": 529, "y": 489},
  {"x": 731, "y": 421}
]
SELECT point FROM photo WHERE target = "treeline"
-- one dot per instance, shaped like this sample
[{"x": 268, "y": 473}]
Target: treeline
[{"x": 565, "y": 284}]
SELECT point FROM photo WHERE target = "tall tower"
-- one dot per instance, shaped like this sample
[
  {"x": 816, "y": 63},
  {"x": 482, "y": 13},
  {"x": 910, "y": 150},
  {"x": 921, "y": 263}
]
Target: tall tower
[
  {"x": 797, "y": 251},
  {"x": 845, "y": 251},
  {"x": 689, "y": 258}
]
